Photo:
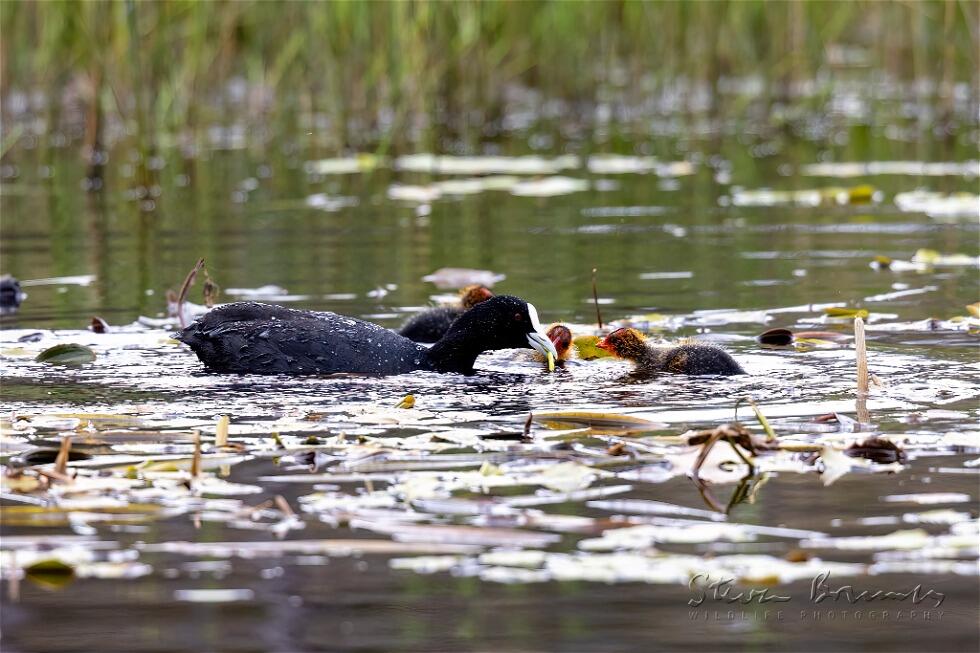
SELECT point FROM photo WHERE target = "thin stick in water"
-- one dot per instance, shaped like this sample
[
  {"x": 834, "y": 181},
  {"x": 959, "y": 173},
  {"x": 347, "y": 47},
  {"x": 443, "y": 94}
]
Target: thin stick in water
[
  {"x": 284, "y": 506},
  {"x": 61, "y": 461},
  {"x": 595, "y": 298},
  {"x": 221, "y": 432},
  {"x": 861, "y": 352},
  {"x": 196, "y": 460},
  {"x": 188, "y": 282}
]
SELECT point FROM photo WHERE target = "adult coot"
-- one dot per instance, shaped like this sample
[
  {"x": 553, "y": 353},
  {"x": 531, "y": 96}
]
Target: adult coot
[
  {"x": 428, "y": 326},
  {"x": 247, "y": 337},
  {"x": 691, "y": 358}
]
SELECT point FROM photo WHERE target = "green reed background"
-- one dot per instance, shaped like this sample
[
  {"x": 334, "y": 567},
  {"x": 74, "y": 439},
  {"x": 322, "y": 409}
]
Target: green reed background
[{"x": 384, "y": 72}]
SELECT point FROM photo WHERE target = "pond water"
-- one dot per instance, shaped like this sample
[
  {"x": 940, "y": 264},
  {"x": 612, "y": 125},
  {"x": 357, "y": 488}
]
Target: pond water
[{"x": 440, "y": 527}]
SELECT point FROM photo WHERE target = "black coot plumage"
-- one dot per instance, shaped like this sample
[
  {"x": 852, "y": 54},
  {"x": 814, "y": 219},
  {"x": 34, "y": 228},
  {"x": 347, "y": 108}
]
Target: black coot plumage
[
  {"x": 252, "y": 338},
  {"x": 10, "y": 294},
  {"x": 431, "y": 325},
  {"x": 692, "y": 358}
]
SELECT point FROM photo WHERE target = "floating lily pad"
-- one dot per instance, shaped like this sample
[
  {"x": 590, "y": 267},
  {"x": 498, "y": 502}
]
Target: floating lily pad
[
  {"x": 51, "y": 574},
  {"x": 66, "y": 354},
  {"x": 836, "y": 311},
  {"x": 587, "y": 349}
]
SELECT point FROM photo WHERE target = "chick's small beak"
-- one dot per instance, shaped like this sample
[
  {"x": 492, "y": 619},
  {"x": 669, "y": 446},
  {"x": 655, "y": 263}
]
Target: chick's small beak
[
  {"x": 541, "y": 344},
  {"x": 604, "y": 344}
]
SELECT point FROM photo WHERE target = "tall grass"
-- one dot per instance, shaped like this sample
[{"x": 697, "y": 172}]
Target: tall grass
[{"x": 385, "y": 73}]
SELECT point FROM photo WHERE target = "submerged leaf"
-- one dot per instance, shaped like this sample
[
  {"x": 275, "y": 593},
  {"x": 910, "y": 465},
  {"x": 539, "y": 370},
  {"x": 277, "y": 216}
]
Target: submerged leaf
[{"x": 66, "y": 354}]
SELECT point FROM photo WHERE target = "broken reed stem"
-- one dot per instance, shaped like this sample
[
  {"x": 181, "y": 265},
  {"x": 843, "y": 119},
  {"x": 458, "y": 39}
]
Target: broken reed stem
[
  {"x": 861, "y": 351},
  {"x": 61, "y": 461},
  {"x": 527, "y": 424},
  {"x": 54, "y": 476},
  {"x": 284, "y": 506},
  {"x": 766, "y": 426},
  {"x": 221, "y": 432},
  {"x": 196, "y": 460},
  {"x": 595, "y": 298}
]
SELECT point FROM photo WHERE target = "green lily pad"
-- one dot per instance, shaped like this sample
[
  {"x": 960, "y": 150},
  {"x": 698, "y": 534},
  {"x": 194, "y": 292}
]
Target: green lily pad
[
  {"x": 587, "y": 350},
  {"x": 66, "y": 354}
]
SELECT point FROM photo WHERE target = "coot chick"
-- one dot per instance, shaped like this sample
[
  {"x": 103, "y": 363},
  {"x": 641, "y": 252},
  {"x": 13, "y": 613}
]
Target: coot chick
[
  {"x": 10, "y": 294},
  {"x": 428, "y": 326},
  {"x": 561, "y": 337},
  {"x": 252, "y": 338},
  {"x": 691, "y": 358}
]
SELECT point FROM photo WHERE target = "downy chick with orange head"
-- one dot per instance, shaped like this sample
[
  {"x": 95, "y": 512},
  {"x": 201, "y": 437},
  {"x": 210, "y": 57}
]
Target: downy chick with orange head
[
  {"x": 690, "y": 358},
  {"x": 431, "y": 325}
]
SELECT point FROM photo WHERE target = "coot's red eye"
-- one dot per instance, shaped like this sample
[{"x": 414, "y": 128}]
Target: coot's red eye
[{"x": 518, "y": 317}]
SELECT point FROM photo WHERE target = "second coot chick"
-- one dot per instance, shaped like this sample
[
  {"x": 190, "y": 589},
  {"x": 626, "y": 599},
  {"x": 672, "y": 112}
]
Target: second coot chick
[
  {"x": 561, "y": 337},
  {"x": 253, "y": 338},
  {"x": 691, "y": 358},
  {"x": 428, "y": 326}
]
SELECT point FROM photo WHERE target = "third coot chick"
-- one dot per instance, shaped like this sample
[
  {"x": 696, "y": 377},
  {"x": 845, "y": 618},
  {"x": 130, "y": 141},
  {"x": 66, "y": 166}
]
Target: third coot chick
[
  {"x": 691, "y": 358},
  {"x": 561, "y": 337},
  {"x": 428, "y": 326}
]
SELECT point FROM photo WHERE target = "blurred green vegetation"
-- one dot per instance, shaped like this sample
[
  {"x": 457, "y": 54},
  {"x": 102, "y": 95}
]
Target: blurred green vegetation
[{"x": 383, "y": 73}]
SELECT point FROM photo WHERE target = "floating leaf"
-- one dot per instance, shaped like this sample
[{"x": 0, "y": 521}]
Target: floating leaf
[
  {"x": 346, "y": 165},
  {"x": 408, "y": 401},
  {"x": 835, "y": 464},
  {"x": 843, "y": 169},
  {"x": 459, "y": 277},
  {"x": 596, "y": 419},
  {"x": 485, "y": 165},
  {"x": 939, "y": 205},
  {"x": 549, "y": 187},
  {"x": 66, "y": 354},
  {"x": 587, "y": 349},
  {"x": 50, "y": 573},
  {"x": 860, "y": 194},
  {"x": 325, "y": 202},
  {"x": 776, "y": 337},
  {"x": 850, "y": 313},
  {"x": 214, "y": 595},
  {"x": 933, "y": 258},
  {"x": 20, "y": 483}
]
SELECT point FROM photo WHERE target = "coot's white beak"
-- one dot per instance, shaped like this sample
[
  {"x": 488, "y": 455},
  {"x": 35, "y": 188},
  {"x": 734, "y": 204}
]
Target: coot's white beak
[
  {"x": 542, "y": 344},
  {"x": 537, "y": 339}
]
